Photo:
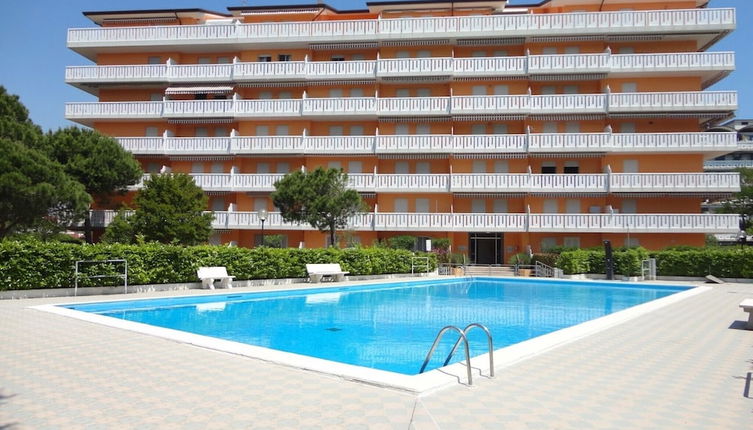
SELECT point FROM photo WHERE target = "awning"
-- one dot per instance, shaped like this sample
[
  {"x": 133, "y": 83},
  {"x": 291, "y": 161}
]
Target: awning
[{"x": 215, "y": 89}]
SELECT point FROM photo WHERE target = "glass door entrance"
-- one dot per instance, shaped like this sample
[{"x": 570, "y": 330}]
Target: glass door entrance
[{"x": 486, "y": 248}]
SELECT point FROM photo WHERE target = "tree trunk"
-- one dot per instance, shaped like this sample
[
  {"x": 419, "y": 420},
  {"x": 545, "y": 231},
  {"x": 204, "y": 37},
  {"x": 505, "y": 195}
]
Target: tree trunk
[{"x": 332, "y": 235}]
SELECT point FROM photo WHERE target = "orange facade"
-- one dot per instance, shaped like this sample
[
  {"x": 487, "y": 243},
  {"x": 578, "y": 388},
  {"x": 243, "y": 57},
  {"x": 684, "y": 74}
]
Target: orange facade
[{"x": 603, "y": 165}]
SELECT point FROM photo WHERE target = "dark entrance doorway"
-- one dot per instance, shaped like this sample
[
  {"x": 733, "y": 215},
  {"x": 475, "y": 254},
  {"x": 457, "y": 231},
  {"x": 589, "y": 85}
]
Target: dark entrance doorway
[{"x": 486, "y": 248}]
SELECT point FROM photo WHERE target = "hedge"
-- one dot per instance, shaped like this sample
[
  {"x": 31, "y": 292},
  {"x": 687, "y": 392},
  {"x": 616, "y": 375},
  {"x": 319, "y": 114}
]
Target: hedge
[
  {"x": 34, "y": 264},
  {"x": 731, "y": 262}
]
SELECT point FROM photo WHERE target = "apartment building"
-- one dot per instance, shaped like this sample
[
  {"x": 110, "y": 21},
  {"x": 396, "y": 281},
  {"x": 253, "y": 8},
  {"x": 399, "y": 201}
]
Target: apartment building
[
  {"x": 742, "y": 158},
  {"x": 503, "y": 128}
]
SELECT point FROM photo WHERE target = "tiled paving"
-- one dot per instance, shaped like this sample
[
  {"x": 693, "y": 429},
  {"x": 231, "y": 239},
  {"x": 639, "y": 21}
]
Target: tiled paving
[{"x": 687, "y": 365}]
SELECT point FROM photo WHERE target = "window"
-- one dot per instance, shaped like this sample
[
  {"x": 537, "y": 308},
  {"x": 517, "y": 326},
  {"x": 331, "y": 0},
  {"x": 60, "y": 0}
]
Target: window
[
  {"x": 218, "y": 204},
  {"x": 548, "y": 90},
  {"x": 423, "y": 54},
  {"x": 548, "y": 167},
  {"x": 205, "y": 60},
  {"x": 262, "y": 167},
  {"x": 629, "y": 206},
  {"x": 218, "y": 168},
  {"x": 550, "y": 127},
  {"x": 500, "y": 53},
  {"x": 356, "y": 130},
  {"x": 627, "y": 127},
  {"x": 355, "y": 167},
  {"x": 549, "y": 50},
  {"x": 335, "y": 92},
  {"x": 260, "y": 203},
  {"x": 632, "y": 242},
  {"x": 479, "y": 166},
  {"x": 402, "y": 167},
  {"x": 197, "y": 167},
  {"x": 501, "y": 90},
  {"x": 284, "y": 57},
  {"x": 401, "y": 129},
  {"x": 402, "y": 92},
  {"x": 423, "y": 167},
  {"x": 548, "y": 243},
  {"x": 478, "y": 206},
  {"x": 478, "y": 54},
  {"x": 629, "y": 166},
  {"x": 500, "y": 206},
  {"x": 154, "y": 60},
  {"x": 334, "y": 165},
  {"x": 401, "y": 205},
  {"x": 550, "y": 206},
  {"x": 153, "y": 167},
  {"x": 572, "y": 127},
  {"x": 357, "y": 57},
  {"x": 572, "y": 206},
  {"x": 501, "y": 166},
  {"x": 285, "y": 95},
  {"x": 215, "y": 239},
  {"x": 201, "y": 132},
  {"x": 264, "y": 58},
  {"x": 283, "y": 167},
  {"x": 282, "y": 130},
  {"x": 155, "y": 97},
  {"x": 626, "y": 50},
  {"x": 571, "y": 89},
  {"x": 221, "y": 132},
  {"x": 478, "y": 90},
  {"x": 478, "y": 129},
  {"x": 337, "y": 58},
  {"x": 499, "y": 129},
  {"x": 423, "y": 129},
  {"x": 572, "y": 242},
  {"x": 629, "y": 87},
  {"x": 152, "y": 132},
  {"x": 594, "y": 209},
  {"x": 571, "y": 167},
  {"x": 224, "y": 60},
  {"x": 262, "y": 130},
  {"x": 423, "y": 92},
  {"x": 572, "y": 50},
  {"x": 402, "y": 54},
  {"x": 335, "y": 130},
  {"x": 422, "y": 206},
  {"x": 265, "y": 95},
  {"x": 356, "y": 92}
]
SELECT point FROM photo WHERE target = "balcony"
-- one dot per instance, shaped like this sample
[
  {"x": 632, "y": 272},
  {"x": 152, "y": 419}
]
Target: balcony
[
  {"x": 433, "y": 144},
  {"x": 477, "y": 222},
  {"x": 710, "y": 66},
  {"x": 705, "y": 23},
  {"x": 624, "y": 104},
  {"x": 727, "y": 164},
  {"x": 496, "y": 183}
]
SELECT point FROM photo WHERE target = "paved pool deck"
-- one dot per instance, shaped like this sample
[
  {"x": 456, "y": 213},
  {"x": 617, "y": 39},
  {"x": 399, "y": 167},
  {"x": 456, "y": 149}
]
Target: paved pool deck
[{"x": 687, "y": 365}]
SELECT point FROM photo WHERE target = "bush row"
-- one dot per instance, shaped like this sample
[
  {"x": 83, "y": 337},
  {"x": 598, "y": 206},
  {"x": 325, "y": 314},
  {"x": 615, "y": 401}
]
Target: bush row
[
  {"x": 732, "y": 262},
  {"x": 34, "y": 264}
]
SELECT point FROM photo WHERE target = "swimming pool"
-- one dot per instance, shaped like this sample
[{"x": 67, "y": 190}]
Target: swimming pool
[{"x": 388, "y": 326}]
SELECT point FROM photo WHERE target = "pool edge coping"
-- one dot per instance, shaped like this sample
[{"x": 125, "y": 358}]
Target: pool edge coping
[{"x": 421, "y": 384}]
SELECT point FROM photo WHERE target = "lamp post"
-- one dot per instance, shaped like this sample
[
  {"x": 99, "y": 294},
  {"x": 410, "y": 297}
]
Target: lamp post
[{"x": 262, "y": 214}]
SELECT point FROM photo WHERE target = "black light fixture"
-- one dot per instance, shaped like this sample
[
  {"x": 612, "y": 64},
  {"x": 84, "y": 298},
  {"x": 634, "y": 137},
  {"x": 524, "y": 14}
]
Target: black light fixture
[{"x": 262, "y": 214}]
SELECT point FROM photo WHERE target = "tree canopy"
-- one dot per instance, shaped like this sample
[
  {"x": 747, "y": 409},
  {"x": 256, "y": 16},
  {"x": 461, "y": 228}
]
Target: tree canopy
[
  {"x": 170, "y": 209},
  {"x": 319, "y": 197}
]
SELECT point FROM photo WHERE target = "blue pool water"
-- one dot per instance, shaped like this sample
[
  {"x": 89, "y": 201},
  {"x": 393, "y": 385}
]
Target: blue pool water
[{"x": 387, "y": 326}]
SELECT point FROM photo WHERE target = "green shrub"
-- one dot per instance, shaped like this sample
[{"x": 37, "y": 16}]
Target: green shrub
[
  {"x": 402, "y": 242},
  {"x": 574, "y": 262},
  {"x": 550, "y": 259},
  {"x": 520, "y": 258},
  {"x": 33, "y": 264}
]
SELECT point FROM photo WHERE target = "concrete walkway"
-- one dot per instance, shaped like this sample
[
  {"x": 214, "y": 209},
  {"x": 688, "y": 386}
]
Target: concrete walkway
[{"x": 687, "y": 365}]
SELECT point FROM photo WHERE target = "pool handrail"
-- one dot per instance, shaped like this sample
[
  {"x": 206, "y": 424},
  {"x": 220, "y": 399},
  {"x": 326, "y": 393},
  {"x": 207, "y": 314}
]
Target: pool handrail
[
  {"x": 436, "y": 342},
  {"x": 490, "y": 342}
]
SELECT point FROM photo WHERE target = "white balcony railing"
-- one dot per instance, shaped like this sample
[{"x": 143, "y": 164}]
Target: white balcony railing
[
  {"x": 433, "y": 143},
  {"x": 495, "y": 182},
  {"x": 727, "y": 164},
  {"x": 469, "y": 222},
  {"x": 524, "y": 66},
  {"x": 627, "y": 103},
  {"x": 488, "y": 26}
]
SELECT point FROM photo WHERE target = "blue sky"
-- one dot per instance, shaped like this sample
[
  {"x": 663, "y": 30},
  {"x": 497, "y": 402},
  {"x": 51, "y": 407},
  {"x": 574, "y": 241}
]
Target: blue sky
[{"x": 32, "y": 45}]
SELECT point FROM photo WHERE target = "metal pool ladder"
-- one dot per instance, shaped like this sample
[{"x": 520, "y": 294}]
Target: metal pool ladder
[{"x": 464, "y": 338}]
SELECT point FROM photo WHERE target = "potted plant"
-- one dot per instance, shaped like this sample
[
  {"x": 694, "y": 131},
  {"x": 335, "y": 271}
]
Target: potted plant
[{"x": 522, "y": 259}]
